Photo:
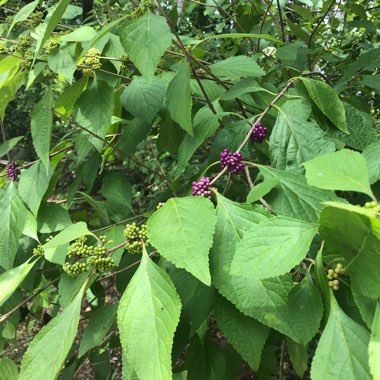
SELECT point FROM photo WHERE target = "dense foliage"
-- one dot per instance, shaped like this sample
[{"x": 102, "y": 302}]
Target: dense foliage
[{"x": 189, "y": 189}]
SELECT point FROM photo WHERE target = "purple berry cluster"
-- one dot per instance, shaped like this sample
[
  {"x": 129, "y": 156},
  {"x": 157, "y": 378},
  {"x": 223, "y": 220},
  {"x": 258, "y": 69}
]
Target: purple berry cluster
[
  {"x": 201, "y": 188},
  {"x": 13, "y": 171},
  {"x": 232, "y": 161},
  {"x": 258, "y": 133}
]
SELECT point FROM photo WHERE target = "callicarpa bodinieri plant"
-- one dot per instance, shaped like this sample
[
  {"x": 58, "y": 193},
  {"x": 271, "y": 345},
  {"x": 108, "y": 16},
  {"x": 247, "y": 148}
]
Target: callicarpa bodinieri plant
[{"x": 189, "y": 190}]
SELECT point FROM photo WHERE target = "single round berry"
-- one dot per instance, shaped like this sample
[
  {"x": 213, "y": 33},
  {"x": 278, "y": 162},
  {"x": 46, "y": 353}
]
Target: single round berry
[
  {"x": 13, "y": 171},
  {"x": 201, "y": 188},
  {"x": 258, "y": 133},
  {"x": 335, "y": 282},
  {"x": 232, "y": 161},
  {"x": 335, "y": 287},
  {"x": 331, "y": 283}
]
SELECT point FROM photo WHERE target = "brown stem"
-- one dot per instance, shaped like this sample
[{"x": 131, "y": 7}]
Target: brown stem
[{"x": 279, "y": 95}]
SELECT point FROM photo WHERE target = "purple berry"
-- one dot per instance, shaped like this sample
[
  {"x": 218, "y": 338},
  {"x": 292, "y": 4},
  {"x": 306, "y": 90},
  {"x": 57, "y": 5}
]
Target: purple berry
[
  {"x": 258, "y": 133},
  {"x": 232, "y": 161},
  {"x": 13, "y": 171},
  {"x": 201, "y": 188}
]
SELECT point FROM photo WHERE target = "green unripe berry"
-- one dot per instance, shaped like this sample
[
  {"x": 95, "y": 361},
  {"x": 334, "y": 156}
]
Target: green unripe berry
[
  {"x": 335, "y": 282},
  {"x": 331, "y": 283},
  {"x": 3, "y": 47},
  {"x": 330, "y": 277},
  {"x": 330, "y": 271},
  {"x": 335, "y": 287},
  {"x": 335, "y": 275}
]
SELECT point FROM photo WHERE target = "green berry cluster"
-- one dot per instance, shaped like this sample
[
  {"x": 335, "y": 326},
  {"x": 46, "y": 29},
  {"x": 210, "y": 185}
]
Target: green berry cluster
[
  {"x": 136, "y": 236},
  {"x": 51, "y": 44},
  {"x": 333, "y": 276},
  {"x": 142, "y": 9},
  {"x": 23, "y": 44},
  {"x": 39, "y": 250},
  {"x": 160, "y": 204},
  {"x": 35, "y": 19},
  {"x": 200, "y": 72},
  {"x": 373, "y": 205},
  {"x": 85, "y": 257},
  {"x": 162, "y": 66},
  {"x": 27, "y": 61},
  {"x": 92, "y": 62},
  {"x": 3, "y": 47}
]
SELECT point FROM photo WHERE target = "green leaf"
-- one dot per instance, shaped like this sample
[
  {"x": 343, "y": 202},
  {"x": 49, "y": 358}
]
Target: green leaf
[
  {"x": 182, "y": 230},
  {"x": 23, "y": 14},
  {"x": 244, "y": 86},
  {"x": 132, "y": 134},
  {"x": 94, "y": 110},
  {"x": 372, "y": 157},
  {"x": 8, "y": 145},
  {"x": 342, "y": 351},
  {"x": 265, "y": 300},
  {"x": 293, "y": 197},
  {"x": 344, "y": 170},
  {"x": 374, "y": 345},
  {"x": 48, "y": 350},
  {"x": 262, "y": 189},
  {"x": 65, "y": 102},
  {"x": 148, "y": 315},
  {"x": 145, "y": 40},
  {"x": 45, "y": 29},
  {"x": 69, "y": 286},
  {"x": 360, "y": 126},
  {"x": 128, "y": 372},
  {"x": 12, "y": 278},
  {"x": 245, "y": 334},
  {"x": 10, "y": 86},
  {"x": 144, "y": 99},
  {"x": 237, "y": 67},
  {"x": 354, "y": 232},
  {"x": 42, "y": 124},
  {"x": 52, "y": 217},
  {"x": 8, "y": 370},
  {"x": 305, "y": 309},
  {"x": 62, "y": 63},
  {"x": 117, "y": 189},
  {"x": 33, "y": 184},
  {"x": 372, "y": 81},
  {"x": 327, "y": 100},
  {"x": 205, "y": 125},
  {"x": 98, "y": 326},
  {"x": 298, "y": 356},
  {"x": 82, "y": 34},
  {"x": 294, "y": 140},
  {"x": 272, "y": 247},
  {"x": 69, "y": 234},
  {"x": 12, "y": 222},
  {"x": 97, "y": 205},
  {"x": 178, "y": 98}
]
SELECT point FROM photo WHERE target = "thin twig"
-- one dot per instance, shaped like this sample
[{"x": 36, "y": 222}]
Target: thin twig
[
  {"x": 309, "y": 42},
  {"x": 126, "y": 268},
  {"x": 263, "y": 22},
  {"x": 9, "y": 313},
  {"x": 281, "y": 22}
]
